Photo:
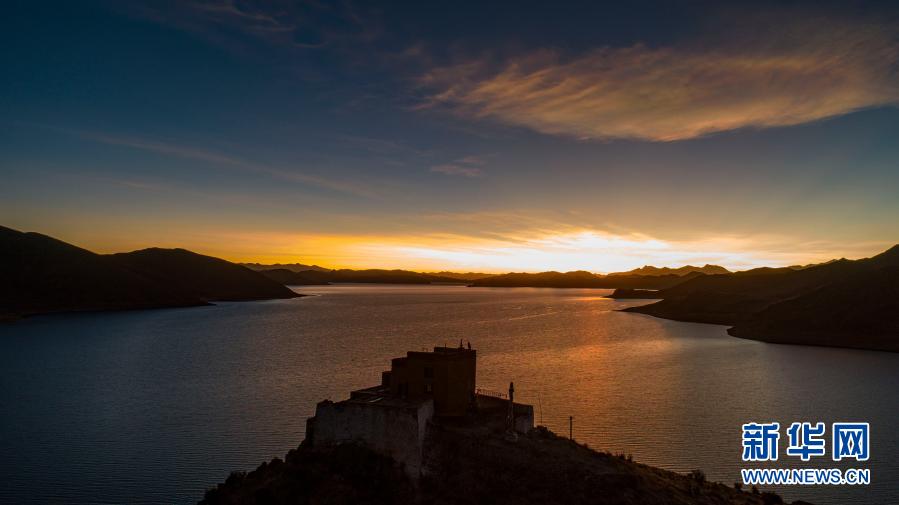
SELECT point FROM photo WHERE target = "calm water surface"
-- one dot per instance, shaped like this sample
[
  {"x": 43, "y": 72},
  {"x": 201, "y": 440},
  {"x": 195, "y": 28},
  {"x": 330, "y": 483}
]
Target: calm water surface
[{"x": 156, "y": 406}]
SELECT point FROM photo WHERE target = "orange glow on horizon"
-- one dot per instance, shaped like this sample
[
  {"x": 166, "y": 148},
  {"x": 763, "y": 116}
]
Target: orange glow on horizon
[
  {"x": 499, "y": 251},
  {"x": 589, "y": 250}
]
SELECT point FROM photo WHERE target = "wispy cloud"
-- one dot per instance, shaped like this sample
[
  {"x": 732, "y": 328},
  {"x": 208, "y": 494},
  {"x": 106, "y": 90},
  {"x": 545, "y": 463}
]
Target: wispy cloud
[
  {"x": 469, "y": 166},
  {"x": 253, "y": 17},
  {"x": 783, "y": 72},
  {"x": 291, "y": 25},
  {"x": 373, "y": 146},
  {"x": 161, "y": 148},
  {"x": 204, "y": 155}
]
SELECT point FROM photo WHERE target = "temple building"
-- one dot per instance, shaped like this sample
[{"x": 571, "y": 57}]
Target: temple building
[{"x": 419, "y": 389}]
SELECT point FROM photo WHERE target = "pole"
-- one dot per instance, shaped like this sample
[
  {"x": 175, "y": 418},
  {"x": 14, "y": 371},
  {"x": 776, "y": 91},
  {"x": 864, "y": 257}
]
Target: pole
[
  {"x": 570, "y": 427},
  {"x": 540, "y": 406},
  {"x": 511, "y": 418}
]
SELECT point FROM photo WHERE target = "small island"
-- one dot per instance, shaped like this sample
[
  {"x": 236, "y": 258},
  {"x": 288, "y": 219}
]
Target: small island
[{"x": 635, "y": 294}]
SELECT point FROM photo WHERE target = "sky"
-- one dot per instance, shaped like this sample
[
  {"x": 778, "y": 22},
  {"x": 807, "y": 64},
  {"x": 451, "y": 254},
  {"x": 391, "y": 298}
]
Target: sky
[{"x": 468, "y": 136}]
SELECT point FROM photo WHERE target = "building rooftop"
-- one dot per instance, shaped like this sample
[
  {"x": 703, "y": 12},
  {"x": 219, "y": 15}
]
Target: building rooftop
[{"x": 380, "y": 396}]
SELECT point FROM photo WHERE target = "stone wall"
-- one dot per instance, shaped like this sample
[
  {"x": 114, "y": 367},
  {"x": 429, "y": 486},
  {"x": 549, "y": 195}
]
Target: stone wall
[
  {"x": 395, "y": 430},
  {"x": 524, "y": 418}
]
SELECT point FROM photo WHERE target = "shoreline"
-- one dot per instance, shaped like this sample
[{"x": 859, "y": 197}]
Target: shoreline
[
  {"x": 9, "y": 318},
  {"x": 766, "y": 340}
]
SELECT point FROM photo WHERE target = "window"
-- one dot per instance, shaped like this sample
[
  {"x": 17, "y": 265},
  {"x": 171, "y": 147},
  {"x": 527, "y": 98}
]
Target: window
[
  {"x": 429, "y": 388},
  {"x": 429, "y": 372}
]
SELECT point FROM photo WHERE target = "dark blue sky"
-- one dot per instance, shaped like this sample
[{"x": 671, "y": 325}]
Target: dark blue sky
[{"x": 502, "y": 136}]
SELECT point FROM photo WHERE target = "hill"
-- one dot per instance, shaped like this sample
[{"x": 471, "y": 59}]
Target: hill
[
  {"x": 293, "y": 267},
  {"x": 291, "y": 278},
  {"x": 840, "y": 303},
  {"x": 40, "y": 274},
  {"x": 583, "y": 279},
  {"x": 389, "y": 277},
  {"x": 537, "y": 468},
  {"x": 371, "y": 276},
  {"x": 462, "y": 276},
  {"x": 203, "y": 276}
]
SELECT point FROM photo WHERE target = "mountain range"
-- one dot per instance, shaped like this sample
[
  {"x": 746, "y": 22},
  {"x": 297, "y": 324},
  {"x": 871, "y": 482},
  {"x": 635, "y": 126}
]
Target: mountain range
[
  {"x": 584, "y": 279},
  {"x": 343, "y": 276},
  {"x": 647, "y": 277},
  {"x": 293, "y": 267},
  {"x": 684, "y": 270}
]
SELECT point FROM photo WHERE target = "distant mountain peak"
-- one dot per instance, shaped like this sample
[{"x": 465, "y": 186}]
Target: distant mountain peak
[
  {"x": 681, "y": 271},
  {"x": 293, "y": 267}
]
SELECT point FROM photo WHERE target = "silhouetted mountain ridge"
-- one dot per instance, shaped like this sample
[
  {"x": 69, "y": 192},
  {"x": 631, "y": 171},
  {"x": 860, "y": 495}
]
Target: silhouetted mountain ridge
[
  {"x": 370, "y": 276},
  {"x": 375, "y": 275},
  {"x": 462, "y": 276},
  {"x": 654, "y": 278},
  {"x": 291, "y": 278},
  {"x": 40, "y": 274},
  {"x": 684, "y": 270},
  {"x": 206, "y": 277},
  {"x": 293, "y": 267}
]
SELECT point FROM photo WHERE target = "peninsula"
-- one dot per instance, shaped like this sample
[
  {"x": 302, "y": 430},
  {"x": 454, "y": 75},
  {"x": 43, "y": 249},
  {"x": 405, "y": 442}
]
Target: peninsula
[{"x": 840, "y": 303}]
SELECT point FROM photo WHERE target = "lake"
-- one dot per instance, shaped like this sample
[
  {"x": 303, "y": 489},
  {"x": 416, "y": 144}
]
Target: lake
[{"x": 156, "y": 406}]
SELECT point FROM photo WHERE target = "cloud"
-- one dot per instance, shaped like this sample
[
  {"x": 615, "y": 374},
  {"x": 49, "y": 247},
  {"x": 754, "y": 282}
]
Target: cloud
[
  {"x": 192, "y": 153},
  {"x": 254, "y": 19},
  {"x": 161, "y": 148},
  {"x": 469, "y": 166},
  {"x": 284, "y": 24},
  {"x": 381, "y": 147},
  {"x": 451, "y": 169},
  {"x": 777, "y": 72}
]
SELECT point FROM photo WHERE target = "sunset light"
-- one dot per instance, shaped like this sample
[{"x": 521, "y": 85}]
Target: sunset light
[
  {"x": 590, "y": 251},
  {"x": 309, "y": 252}
]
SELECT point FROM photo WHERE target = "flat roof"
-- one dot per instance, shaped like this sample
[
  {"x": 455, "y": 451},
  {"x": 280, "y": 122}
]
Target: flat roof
[{"x": 379, "y": 396}]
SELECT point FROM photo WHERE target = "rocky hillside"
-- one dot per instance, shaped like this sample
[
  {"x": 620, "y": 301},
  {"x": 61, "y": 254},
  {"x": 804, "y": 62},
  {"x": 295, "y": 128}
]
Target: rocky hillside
[{"x": 480, "y": 468}]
